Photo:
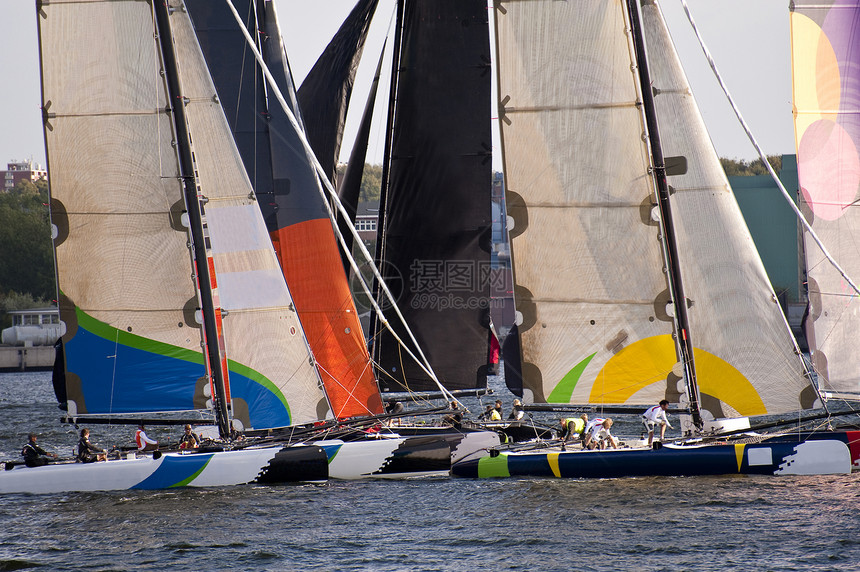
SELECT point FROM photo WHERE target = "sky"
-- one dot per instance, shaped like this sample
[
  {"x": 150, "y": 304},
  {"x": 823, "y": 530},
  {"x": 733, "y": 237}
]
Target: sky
[{"x": 749, "y": 40}]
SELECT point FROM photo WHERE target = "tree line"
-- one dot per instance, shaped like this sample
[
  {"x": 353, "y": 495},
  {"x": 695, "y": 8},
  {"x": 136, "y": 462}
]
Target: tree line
[
  {"x": 26, "y": 256},
  {"x": 742, "y": 168}
]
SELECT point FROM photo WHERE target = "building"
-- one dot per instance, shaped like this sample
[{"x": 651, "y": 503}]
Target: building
[
  {"x": 29, "y": 343},
  {"x": 777, "y": 234},
  {"x": 17, "y": 171},
  {"x": 35, "y": 327},
  {"x": 366, "y": 218}
]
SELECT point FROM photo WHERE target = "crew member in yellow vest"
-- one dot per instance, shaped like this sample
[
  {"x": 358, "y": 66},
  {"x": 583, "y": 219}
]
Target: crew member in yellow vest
[{"x": 573, "y": 427}]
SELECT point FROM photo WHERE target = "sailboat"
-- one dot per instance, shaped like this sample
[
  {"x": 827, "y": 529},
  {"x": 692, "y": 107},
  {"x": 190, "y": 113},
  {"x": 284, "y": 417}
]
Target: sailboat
[
  {"x": 434, "y": 227},
  {"x": 286, "y": 185},
  {"x": 172, "y": 297},
  {"x": 636, "y": 279}
]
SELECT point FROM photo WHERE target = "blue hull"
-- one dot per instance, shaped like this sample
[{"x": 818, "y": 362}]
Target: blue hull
[{"x": 779, "y": 456}]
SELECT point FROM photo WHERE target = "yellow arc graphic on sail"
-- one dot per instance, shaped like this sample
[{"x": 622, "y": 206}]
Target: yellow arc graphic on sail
[
  {"x": 828, "y": 158},
  {"x": 632, "y": 369}
]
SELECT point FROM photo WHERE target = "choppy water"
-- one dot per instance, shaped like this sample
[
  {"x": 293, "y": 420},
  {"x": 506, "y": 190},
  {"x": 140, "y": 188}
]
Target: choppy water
[{"x": 710, "y": 523}]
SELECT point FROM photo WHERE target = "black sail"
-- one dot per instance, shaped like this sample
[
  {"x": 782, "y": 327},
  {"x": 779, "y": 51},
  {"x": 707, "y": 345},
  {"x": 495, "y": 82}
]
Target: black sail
[
  {"x": 436, "y": 251},
  {"x": 349, "y": 189},
  {"x": 325, "y": 93}
]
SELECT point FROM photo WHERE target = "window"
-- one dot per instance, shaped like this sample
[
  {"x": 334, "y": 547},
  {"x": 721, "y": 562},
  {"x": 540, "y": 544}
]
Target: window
[{"x": 365, "y": 224}]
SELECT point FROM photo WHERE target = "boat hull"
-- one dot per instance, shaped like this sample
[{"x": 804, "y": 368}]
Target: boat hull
[
  {"x": 173, "y": 470},
  {"x": 388, "y": 458},
  {"x": 463, "y": 444},
  {"x": 317, "y": 462},
  {"x": 777, "y": 457}
]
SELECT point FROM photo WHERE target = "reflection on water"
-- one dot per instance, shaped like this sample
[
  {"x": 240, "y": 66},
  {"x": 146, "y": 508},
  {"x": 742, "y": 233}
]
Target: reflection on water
[{"x": 706, "y": 523}]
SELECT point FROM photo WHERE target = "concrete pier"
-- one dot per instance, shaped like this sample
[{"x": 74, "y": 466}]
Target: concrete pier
[{"x": 22, "y": 358}]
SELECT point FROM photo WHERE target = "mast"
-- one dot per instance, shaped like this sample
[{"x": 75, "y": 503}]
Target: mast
[
  {"x": 194, "y": 204},
  {"x": 683, "y": 342},
  {"x": 376, "y": 290}
]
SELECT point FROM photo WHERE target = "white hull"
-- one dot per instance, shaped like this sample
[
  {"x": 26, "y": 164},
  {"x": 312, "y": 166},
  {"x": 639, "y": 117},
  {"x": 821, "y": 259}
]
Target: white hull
[
  {"x": 317, "y": 462},
  {"x": 168, "y": 471}
]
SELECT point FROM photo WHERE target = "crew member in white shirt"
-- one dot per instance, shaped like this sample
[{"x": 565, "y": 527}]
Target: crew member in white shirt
[{"x": 654, "y": 416}]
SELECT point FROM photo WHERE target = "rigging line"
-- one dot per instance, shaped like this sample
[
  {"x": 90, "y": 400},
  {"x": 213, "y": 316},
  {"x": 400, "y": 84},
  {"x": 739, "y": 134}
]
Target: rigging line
[
  {"x": 113, "y": 370},
  {"x": 345, "y": 388},
  {"x": 761, "y": 153},
  {"x": 323, "y": 176}
]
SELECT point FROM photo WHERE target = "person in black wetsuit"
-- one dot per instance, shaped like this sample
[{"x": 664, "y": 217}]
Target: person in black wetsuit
[
  {"x": 455, "y": 418},
  {"x": 87, "y": 452},
  {"x": 35, "y": 456}
]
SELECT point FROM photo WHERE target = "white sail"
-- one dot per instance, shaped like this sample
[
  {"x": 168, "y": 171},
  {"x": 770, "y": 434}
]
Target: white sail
[
  {"x": 826, "y": 97},
  {"x": 589, "y": 272},
  {"x": 122, "y": 259},
  {"x": 124, "y": 266},
  {"x": 587, "y": 258},
  {"x": 264, "y": 338},
  {"x": 746, "y": 360}
]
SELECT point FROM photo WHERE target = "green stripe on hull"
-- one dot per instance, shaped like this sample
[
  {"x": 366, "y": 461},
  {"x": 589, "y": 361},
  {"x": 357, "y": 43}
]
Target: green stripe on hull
[{"x": 489, "y": 467}]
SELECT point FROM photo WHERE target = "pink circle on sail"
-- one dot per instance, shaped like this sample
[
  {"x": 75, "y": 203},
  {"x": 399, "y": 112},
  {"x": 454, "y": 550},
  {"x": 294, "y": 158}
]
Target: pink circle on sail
[{"x": 828, "y": 169}]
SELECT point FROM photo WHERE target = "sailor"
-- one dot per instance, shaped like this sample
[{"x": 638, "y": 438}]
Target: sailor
[
  {"x": 600, "y": 434},
  {"x": 455, "y": 418},
  {"x": 517, "y": 411},
  {"x": 144, "y": 443},
  {"x": 235, "y": 434},
  {"x": 86, "y": 451},
  {"x": 393, "y": 408},
  {"x": 573, "y": 427},
  {"x": 487, "y": 414},
  {"x": 586, "y": 433},
  {"x": 35, "y": 456},
  {"x": 654, "y": 416},
  {"x": 496, "y": 413},
  {"x": 189, "y": 439}
]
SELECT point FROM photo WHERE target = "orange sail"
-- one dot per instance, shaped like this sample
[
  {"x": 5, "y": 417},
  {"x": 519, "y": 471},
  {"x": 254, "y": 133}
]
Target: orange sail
[{"x": 312, "y": 266}]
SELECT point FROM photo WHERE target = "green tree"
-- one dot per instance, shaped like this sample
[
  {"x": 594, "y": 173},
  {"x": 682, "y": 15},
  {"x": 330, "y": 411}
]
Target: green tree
[
  {"x": 371, "y": 181},
  {"x": 26, "y": 255},
  {"x": 742, "y": 168}
]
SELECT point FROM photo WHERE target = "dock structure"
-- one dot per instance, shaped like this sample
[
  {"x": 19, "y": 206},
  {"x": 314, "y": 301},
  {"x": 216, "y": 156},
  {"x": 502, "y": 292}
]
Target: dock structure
[{"x": 22, "y": 358}]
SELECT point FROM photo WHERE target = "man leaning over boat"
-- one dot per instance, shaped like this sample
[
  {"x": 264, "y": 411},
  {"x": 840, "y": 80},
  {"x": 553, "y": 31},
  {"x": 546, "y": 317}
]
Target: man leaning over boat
[{"x": 598, "y": 433}]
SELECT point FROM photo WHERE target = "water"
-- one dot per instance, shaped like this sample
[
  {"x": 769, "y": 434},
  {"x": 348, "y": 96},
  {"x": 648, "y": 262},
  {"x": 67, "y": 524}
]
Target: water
[{"x": 709, "y": 523}]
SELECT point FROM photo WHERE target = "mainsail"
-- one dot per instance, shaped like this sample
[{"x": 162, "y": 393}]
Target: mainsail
[
  {"x": 825, "y": 51},
  {"x": 325, "y": 93},
  {"x": 593, "y": 301},
  {"x": 436, "y": 223},
  {"x": 287, "y": 189},
  {"x": 747, "y": 362},
  {"x": 129, "y": 301}
]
